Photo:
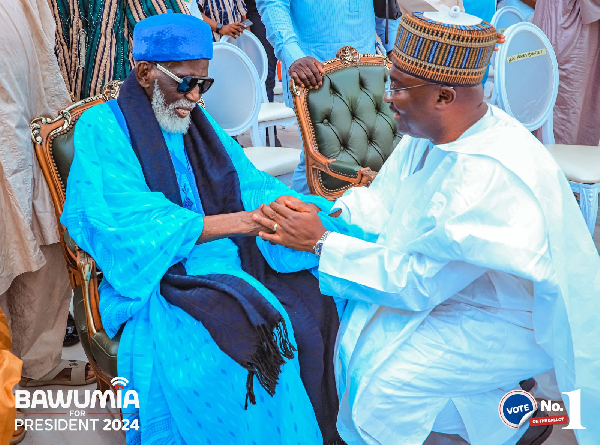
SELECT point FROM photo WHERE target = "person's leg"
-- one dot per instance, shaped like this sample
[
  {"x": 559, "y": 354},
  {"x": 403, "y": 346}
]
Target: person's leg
[
  {"x": 459, "y": 354},
  {"x": 71, "y": 334},
  {"x": 392, "y": 32},
  {"x": 38, "y": 304},
  {"x": 10, "y": 373},
  {"x": 299, "y": 180}
]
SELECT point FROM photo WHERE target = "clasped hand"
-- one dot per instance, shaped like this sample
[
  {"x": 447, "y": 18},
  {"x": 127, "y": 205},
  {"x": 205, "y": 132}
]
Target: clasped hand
[{"x": 293, "y": 223}]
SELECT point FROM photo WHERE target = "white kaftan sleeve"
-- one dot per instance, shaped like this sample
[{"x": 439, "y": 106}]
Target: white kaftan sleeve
[
  {"x": 463, "y": 224},
  {"x": 370, "y": 207},
  {"x": 359, "y": 270}
]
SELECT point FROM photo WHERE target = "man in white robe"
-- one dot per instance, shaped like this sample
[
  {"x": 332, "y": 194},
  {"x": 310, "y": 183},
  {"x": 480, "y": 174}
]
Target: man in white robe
[{"x": 467, "y": 265}]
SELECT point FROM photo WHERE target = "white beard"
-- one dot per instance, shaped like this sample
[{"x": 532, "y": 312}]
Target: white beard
[{"x": 165, "y": 115}]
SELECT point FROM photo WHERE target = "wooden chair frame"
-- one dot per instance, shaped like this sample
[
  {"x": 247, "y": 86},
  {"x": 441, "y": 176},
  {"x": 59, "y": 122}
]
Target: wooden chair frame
[
  {"x": 81, "y": 266},
  {"x": 347, "y": 56}
]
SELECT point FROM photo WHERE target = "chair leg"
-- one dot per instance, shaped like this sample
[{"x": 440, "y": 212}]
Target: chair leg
[
  {"x": 102, "y": 384},
  {"x": 257, "y": 135},
  {"x": 271, "y": 131},
  {"x": 588, "y": 202}
]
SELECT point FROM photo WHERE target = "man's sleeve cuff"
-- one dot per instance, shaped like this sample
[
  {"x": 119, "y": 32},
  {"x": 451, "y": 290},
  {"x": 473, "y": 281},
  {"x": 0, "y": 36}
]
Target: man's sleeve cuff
[
  {"x": 332, "y": 253},
  {"x": 291, "y": 53}
]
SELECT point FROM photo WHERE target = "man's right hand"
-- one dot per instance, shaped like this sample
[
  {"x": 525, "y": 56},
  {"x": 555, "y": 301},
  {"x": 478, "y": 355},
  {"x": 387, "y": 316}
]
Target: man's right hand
[
  {"x": 233, "y": 30},
  {"x": 307, "y": 72}
]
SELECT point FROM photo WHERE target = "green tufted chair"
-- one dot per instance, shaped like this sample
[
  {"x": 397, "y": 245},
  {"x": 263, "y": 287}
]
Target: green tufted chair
[
  {"x": 53, "y": 144},
  {"x": 348, "y": 130}
]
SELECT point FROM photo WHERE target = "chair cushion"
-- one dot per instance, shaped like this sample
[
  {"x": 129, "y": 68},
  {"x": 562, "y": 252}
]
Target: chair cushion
[
  {"x": 270, "y": 111},
  {"x": 351, "y": 120},
  {"x": 274, "y": 160},
  {"x": 579, "y": 163}
]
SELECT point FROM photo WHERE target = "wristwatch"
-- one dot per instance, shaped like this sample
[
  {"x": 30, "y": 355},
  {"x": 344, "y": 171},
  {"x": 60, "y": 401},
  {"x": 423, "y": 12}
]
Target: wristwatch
[
  {"x": 319, "y": 246},
  {"x": 219, "y": 26}
]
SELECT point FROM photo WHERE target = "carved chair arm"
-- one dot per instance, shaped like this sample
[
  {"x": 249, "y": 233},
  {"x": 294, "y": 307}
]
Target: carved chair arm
[
  {"x": 345, "y": 171},
  {"x": 89, "y": 287}
]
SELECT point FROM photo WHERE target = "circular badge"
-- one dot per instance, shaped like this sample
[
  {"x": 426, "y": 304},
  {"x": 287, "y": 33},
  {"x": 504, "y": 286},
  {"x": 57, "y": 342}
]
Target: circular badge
[{"x": 516, "y": 407}]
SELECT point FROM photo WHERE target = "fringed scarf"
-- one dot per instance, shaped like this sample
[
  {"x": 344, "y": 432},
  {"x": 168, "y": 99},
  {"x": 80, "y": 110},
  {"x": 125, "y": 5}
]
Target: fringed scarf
[{"x": 241, "y": 321}]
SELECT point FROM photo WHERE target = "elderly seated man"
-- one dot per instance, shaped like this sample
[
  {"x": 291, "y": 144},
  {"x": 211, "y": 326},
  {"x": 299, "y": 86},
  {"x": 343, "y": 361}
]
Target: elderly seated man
[
  {"x": 212, "y": 316},
  {"x": 467, "y": 265}
]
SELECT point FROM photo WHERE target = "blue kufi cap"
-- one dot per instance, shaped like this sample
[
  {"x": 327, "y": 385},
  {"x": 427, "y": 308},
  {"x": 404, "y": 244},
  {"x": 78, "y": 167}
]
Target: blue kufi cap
[{"x": 172, "y": 36}]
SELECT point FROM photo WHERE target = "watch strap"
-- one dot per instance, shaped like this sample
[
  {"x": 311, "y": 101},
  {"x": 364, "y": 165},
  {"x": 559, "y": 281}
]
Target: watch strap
[{"x": 319, "y": 245}]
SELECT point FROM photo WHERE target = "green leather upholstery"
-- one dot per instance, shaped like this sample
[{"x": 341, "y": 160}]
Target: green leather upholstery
[
  {"x": 100, "y": 346},
  {"x": 352, "y": 123},
  {"x": 63, "y": 149}
]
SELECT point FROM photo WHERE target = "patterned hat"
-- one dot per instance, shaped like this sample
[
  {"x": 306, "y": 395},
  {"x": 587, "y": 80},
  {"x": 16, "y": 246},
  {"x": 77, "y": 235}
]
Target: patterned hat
[{"x": 451, "y": 48}]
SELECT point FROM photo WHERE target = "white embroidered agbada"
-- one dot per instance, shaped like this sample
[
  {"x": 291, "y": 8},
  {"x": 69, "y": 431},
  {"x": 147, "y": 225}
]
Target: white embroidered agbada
[{"x": 475, "y": 271}]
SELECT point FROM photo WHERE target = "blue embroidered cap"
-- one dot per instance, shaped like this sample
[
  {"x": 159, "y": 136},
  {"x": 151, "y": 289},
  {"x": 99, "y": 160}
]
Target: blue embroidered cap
[{"x": 172, "y": 36}]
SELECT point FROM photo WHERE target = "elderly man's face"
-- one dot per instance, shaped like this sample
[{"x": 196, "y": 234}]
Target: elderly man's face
[
  {"x": 172, "y": 108},
  {"x": 414, "y": 108},
  {"x": 168, "y": 86}
]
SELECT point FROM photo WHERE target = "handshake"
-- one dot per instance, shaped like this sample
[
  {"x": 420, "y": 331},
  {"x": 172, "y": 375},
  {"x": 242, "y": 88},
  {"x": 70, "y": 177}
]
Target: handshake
[{"x": 290, "y": 222}]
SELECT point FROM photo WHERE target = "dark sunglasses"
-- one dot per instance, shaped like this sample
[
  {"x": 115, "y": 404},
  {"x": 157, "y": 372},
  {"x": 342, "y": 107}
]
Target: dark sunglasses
[{"x": 188, "y": 83}]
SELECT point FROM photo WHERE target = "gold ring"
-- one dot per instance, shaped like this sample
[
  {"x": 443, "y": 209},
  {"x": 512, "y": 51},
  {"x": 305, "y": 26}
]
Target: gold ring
[{"x": 275, "y": 228}]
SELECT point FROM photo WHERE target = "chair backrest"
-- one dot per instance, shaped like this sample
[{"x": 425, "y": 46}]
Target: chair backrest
[
  {"x": 346, "y": 125},
  {"x": 506, "y": 17},
  {"x": 53, "y": 143},
  {"x": 503, "y": 19},
  {"x": 254, "y": 49},
  {"x": 527, "y": 78},
  {"x": 235, "y": 97}
]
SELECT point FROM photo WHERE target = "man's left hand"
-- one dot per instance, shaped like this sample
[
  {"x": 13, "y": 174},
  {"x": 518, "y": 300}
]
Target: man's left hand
[{"x": 298, "y": 225}]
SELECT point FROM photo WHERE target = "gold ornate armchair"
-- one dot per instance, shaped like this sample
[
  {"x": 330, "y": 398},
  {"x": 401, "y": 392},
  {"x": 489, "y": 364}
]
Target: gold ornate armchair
[
  {"x": 347, "y": 129},
  {"x": 53, "y": 145}
]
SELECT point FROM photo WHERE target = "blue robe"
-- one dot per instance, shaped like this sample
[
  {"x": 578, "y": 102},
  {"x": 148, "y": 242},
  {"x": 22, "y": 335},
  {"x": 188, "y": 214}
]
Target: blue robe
[{"x": 189, "y": 390}]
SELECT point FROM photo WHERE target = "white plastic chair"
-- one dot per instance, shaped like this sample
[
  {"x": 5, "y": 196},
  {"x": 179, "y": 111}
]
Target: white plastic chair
[
  {"x": 527, "y": 83},
  {"x": 278, "y": 92},
  {"x": 234, "y": 101},
  {"x": 506, "y": 17},
  {"x": 271, "y": 113},
  {"x": 503, "y": 19},
  {"x": 527, "y": 78}
]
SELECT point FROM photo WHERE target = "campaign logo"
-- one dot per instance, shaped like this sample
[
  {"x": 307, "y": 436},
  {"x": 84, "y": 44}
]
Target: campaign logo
[
  {"x": 76, "y": 405},
  {"x": 516, "y": 407}
]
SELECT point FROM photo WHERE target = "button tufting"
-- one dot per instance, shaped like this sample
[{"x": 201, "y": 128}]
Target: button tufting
[{"x": 325, "y": 121}]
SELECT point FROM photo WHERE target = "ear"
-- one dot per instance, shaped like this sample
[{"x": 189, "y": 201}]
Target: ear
[
  {"x": 143, "y": 74},
  {"x": 446, "y": 96}
]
